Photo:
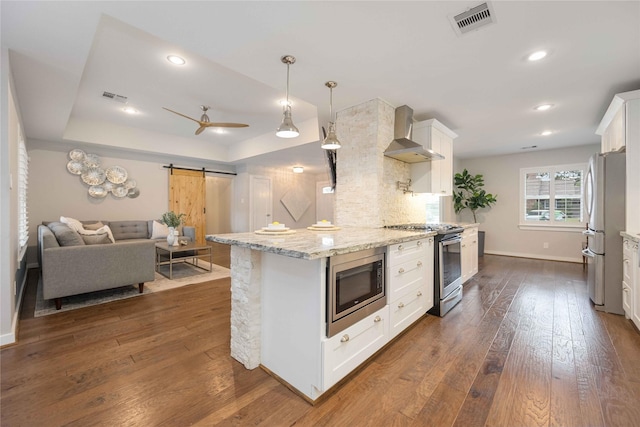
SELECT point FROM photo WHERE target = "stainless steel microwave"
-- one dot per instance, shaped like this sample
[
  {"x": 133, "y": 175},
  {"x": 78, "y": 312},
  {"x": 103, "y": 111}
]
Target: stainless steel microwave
[{"x": 355, "y": 287}]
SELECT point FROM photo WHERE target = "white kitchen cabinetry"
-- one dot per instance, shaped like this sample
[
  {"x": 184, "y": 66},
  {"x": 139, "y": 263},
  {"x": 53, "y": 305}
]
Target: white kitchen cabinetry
[
  {"x": 345, "y": 351},
  {"x": 469, "y": 253},
  {"x": 631, "y": 280},
  {"x": 620, "y": 128},
  {"x": 435, "y": 176},
  {"x": 409, "y": 282}
]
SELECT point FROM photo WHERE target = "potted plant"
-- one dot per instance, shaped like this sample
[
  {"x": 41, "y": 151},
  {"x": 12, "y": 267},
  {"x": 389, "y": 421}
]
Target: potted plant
[
  {"x": 471, "y": 196},
  {"x": 173, "y": 221}
]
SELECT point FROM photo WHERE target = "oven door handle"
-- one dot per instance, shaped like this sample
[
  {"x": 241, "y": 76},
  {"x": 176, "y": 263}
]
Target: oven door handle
[
  {"x": 451, "y": 241},
  {"x": 452, "y": 295}
]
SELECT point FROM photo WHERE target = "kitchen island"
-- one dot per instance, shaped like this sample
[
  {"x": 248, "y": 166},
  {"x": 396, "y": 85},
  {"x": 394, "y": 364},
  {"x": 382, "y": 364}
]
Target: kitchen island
[{"x": 278, "y": 302}]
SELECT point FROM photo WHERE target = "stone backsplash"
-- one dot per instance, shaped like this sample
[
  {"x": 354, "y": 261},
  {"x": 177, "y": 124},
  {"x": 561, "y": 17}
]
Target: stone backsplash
[{"x": 366, "y": 190}]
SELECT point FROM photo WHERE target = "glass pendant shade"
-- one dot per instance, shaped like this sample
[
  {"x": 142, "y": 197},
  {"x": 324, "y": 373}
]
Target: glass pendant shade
[
  {"x": 331, "y": 140},
  {"x": 287, "y": 129}
]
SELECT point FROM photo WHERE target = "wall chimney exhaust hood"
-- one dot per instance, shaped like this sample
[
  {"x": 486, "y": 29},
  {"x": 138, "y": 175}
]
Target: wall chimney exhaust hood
[{"x": 402, "y": 147}]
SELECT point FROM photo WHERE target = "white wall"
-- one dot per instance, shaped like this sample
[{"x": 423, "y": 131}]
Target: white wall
[
  {"x": 501, "y": 177},
  {"x": 55, "y": 192},
  {"x": 282, "y": 181}
]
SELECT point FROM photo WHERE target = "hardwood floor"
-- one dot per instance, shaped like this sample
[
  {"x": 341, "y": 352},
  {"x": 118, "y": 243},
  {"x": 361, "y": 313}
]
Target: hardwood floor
[{"x": 523, "y": 348}]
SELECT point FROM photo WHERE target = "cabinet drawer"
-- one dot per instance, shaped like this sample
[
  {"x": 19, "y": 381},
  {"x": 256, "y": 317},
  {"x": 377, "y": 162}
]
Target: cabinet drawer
[
  {"x": 407, "y": 309},
  {"x": 405, "y": 276},
  {"x": 472, "y": 231},
  {"x": 403, "y": 252},
  {"x": 348, "y": 349}
]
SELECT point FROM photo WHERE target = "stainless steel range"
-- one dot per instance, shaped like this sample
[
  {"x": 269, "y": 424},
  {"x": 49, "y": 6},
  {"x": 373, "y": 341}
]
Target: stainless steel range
[{"x": 447, "y": 264}]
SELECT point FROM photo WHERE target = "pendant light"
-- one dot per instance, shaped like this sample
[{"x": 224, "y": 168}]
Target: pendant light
[
  {"x": 331, "y": 141},
  {"x": 287, "y": 129}
]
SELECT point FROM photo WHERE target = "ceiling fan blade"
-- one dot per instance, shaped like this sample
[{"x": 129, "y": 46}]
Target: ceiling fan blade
[
  {"x": 200, "y": 129},
  {"x": 227, "y": 125},
  {"x": 180, "y": 114}
]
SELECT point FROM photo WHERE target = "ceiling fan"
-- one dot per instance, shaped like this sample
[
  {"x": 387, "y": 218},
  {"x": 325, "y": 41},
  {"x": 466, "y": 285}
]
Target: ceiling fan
[{"x": 204, "y": 121}]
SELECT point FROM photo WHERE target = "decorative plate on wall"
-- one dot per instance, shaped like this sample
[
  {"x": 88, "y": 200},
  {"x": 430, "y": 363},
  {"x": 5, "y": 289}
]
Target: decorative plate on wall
[
  {"x": 117, "y": 174},
  {"x": 93, "y": 176},
  {"x": 130, "y": 183},
  {"x": 91, "y": 160},
  {"x": 76, "y": 167},
  {"x": 119, "y": 191},
  {"x": 76, "y": 154},
  {"x": 133, "y": 193},
  {"x": 98, "y": 191}
]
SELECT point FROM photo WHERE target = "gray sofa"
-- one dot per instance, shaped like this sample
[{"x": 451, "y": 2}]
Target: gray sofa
[{"x": 71, "y": 268}]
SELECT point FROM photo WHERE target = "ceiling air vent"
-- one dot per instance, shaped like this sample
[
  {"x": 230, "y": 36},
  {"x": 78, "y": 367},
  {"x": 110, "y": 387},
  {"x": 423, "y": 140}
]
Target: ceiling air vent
[
  {"x": 113, "y": 96},
  {"x": 473, "y": 19}
]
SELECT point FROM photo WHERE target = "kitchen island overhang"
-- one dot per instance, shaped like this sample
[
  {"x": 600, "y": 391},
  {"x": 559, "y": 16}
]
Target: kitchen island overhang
[{"x": 278, "y": 297}]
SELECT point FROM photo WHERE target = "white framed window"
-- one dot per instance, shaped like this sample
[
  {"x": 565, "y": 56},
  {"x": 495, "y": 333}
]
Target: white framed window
[
  {"x": 552, "y": 196},
  {"x": 22, "y": 186}
]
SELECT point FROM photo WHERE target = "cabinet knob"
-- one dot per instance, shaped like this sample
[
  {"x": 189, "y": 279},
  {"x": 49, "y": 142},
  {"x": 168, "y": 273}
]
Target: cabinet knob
[
  {"x": 430, "y": 239},
  {"x": 400, "y": 305},
  {"x": 400, "y": 271},
  {"x": 400, "y": 247},
  {"x": 377, "y": 319},
  {"x": 344, "y": 338},
  {"x": 419, "y": 243},
  {"x": 473, "y": 241},
  {"x": 419, "y": 264},
  {"x": 419, "y": 293}
]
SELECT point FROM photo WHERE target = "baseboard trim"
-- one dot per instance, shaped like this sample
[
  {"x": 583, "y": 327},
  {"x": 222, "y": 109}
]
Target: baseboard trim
[
  {"x": 11, "y": 337},
  {"x": 535, "y": 256}
]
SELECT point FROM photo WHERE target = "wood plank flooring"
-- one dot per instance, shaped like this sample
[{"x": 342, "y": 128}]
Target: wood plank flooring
[{"x": 523, "y": 348}]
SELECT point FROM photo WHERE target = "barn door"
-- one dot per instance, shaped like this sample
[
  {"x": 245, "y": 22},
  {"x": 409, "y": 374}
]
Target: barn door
[{"x": 187, "y": 196}]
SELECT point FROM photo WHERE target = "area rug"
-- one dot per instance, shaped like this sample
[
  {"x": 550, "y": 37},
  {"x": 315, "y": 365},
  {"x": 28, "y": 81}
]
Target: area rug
[{"x": 183, "y": 275}]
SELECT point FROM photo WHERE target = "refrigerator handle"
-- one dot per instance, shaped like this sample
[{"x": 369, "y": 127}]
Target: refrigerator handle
[{"x": 587, "y": 252}]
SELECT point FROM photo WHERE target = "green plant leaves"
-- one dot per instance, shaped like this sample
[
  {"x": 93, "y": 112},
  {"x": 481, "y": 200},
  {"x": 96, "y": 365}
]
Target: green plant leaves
[{"x": 471, "y": 195}]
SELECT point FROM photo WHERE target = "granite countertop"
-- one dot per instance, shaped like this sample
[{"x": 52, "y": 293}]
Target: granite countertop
[
  {"x": 308, "y": 244},
  {"x": 634, "y": 237}
]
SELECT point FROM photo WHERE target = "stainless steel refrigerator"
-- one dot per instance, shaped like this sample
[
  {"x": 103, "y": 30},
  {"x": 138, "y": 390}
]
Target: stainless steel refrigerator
[{"x": 605, "y": 212}]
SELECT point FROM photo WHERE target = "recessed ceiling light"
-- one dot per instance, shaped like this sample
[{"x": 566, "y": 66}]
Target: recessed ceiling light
[
  {"x": 298, "y": 169},
  {"x": 543, "y": 107},
  {"x": 536, "y": 56},
  {"x": 546, "y": 133},
  {"x": 175, "y": 59},
  {"x": 130, "y": 110}
]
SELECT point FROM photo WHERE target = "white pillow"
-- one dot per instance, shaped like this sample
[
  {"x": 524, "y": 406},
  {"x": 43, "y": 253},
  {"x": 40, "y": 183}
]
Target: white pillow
[
  {"x": 159, "y": 231},
  {"x": 73, "y": 223},
  {"x": 101, "y": 230}
]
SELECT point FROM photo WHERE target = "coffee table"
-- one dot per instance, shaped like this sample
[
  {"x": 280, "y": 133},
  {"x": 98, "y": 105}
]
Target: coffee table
[{"x": 189, "y": 254}]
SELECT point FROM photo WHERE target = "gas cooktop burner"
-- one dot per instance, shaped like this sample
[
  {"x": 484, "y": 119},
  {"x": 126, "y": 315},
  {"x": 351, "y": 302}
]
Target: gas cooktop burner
[{"x": 440, "y": 228}]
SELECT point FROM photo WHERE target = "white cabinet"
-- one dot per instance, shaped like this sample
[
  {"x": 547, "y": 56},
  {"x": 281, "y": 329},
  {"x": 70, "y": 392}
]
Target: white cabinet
[
  {"x": 435, "y": 176},
  {"x": 409, "y": 282},
  {"x": 345, "y": 351},
  {"x": 620, "y": 128},
  {"x": 469, "y": 253},
  {"x": 631, "y": 280},
  {"x": 613, "y": 138}
]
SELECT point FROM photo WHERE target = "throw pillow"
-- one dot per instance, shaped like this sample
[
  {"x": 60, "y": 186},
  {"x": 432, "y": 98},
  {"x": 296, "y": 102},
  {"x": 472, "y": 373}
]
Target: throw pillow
[
  {"x": 102, "y": 230},
  {"x": 73, "y": 223},
  {"x": 95, "y": 226},
  {"x": 65, "y": 235},
  {"x": 96, "y": 239},
  {"x": 160, "y": 231}
]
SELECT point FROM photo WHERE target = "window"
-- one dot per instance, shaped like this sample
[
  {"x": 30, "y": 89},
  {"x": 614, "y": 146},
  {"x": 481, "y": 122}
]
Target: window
[
  {"x": 23, "y": 216},
  {"x": 552, "y": 195}
]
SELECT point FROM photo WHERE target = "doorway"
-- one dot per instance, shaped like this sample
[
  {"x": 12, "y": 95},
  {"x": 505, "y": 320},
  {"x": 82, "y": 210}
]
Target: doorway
[{"x": 260, "y": 201}]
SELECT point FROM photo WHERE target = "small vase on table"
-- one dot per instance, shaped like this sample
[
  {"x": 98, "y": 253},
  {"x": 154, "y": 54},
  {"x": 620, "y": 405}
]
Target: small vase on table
[{"x": 171, "y": 237}]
